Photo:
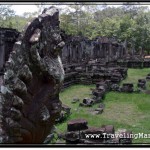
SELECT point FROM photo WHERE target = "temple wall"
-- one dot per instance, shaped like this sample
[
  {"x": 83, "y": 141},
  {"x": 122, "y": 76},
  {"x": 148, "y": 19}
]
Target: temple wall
[{"x": 81, "y": 49}]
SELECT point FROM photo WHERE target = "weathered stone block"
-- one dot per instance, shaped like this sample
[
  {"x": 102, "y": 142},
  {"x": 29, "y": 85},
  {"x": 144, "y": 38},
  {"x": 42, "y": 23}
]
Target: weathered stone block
[
  {"x": 109, "y": 129},
  {"x": 77, "y": 124},
  {"x": 127, "y": 87},
  {"x": 115, "y": 87},
  {"x": 72, "y": 138}
]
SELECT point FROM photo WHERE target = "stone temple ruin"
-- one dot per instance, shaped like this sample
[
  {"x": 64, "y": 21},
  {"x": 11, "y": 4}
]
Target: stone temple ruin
[
  {"x": 87, "y": 61},
  {"x": 32, "y": 74}
]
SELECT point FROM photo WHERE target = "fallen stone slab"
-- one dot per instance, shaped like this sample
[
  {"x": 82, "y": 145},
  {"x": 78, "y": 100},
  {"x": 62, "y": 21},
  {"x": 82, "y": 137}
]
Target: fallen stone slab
[
  {"x": 97, "y": 99},
  {"x": 109, "y": 129},
  {"x": 72, "y": 138},
  {"x": 79, "y": 133},
  {"x": 141, "y": 83},
  {"x": 87, "y": 102},
  {"x": 77, "y": 124},
  {"x": 142, "y": 80},
  {"x": 98, "y": 93},
  {"x": 127, "y": 87},
  {"x": 148, "y": 78},
  {"x": 102, "y": 86},
  {"x": 115, "y": 87}
]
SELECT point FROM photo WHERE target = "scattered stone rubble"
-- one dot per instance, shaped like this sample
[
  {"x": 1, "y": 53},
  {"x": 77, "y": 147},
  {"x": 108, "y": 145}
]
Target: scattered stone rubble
[
  {"x": 141, "y": 84},
  {"x": 115, "y": 87},
  {"x": 101, "y": 89},
  {"x": 148, "y": 77},
  {"x": 127, "y": 87},
  {"x": 78, "y": 132},
  {"x": 87, "y": 102}
]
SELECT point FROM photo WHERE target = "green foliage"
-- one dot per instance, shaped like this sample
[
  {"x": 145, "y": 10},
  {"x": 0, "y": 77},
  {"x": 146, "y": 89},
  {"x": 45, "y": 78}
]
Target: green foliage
[
  {"x": 8, "y": 19},
  {"x": 128, "y": 22},
  {"x": 18, "y": 22},
  {"x": 5, "y": 16}
]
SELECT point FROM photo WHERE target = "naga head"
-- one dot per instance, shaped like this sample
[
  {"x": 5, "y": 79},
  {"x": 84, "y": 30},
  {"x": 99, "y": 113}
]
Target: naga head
[
  {"x": 46, "y": 39},
  {"x": 32, "y": 82},
  {"x": 49, "y": 35}
]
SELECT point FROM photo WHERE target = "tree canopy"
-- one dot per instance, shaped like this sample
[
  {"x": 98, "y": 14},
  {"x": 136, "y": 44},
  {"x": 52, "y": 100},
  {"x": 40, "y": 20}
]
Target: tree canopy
[{"x": 126, "y": 22}]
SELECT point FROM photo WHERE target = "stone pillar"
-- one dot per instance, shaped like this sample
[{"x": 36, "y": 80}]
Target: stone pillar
[
  {"x": 92, "y": 50},
  {"x": 118, "y": 51},
  {"x": 69, "y": 55},
  {"x": 121, "y": 48},
  {"x": 81, "y": 51},
  {"x": 133, "y": 49},
  {"x": 110, "y": 51},
  {"x": 64, "y": 54},
  {"x": 73, "y": 56},
  {"x": 105, "y": 50},
  {"x": 2, "y": 51},
  {"x": 125, "y": 48},
  {"x": 77, "y": 58},
  {"x": 141, "y": 52}
]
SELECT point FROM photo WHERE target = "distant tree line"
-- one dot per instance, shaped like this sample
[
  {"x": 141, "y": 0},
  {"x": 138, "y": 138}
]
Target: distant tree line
[{"x": 127, "y": 22}]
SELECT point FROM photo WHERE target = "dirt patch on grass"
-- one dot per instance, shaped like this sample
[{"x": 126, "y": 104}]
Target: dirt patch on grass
[{"x": 123, "y": 113}]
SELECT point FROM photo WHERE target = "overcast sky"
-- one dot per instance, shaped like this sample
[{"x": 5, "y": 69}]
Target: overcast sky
[{"x": 20, "y": 9}]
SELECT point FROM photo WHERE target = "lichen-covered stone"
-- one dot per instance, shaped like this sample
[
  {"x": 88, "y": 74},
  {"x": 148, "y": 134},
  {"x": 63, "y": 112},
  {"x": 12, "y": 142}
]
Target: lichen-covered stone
[{"x": 29, "y": 96}]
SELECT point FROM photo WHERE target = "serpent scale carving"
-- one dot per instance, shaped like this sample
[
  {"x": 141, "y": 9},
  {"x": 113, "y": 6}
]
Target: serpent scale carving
[{"x": 29, "y": 97}]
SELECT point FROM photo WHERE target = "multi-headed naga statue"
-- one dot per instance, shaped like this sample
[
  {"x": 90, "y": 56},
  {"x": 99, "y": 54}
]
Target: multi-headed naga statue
[{"x": 29, "y": 96}]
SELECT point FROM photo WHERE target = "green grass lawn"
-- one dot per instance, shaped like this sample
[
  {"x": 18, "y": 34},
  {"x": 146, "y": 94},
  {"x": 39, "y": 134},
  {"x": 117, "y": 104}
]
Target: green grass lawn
[{"x": 123, "y": 110}]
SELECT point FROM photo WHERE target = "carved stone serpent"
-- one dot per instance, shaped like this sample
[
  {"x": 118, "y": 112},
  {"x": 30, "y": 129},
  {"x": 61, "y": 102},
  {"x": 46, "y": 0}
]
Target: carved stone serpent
[{"x": 29, "y": 97}]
